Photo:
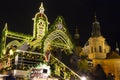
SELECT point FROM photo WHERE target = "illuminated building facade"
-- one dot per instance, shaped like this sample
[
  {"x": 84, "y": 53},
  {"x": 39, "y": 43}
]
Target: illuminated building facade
[
  {"x": 23, "y": 52},
  {"x": 96, "y": 46},
  {"x": 99, "y": 52}
]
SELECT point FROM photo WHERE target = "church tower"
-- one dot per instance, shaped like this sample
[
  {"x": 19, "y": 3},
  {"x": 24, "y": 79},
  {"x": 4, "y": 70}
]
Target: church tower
[
  {"x": 78, "y": 48},
  {"x": 40, "y": 24},
  {"x": 96, "y": 46},
  {"x": 77, "y": 37}
]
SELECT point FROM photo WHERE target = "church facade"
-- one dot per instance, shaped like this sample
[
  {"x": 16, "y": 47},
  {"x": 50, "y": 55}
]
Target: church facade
[
  {"x": 99, "y": 52},
  {"x": 96, "y": 46}
]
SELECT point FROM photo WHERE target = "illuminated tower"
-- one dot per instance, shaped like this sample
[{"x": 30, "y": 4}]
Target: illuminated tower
[
  {"x": 40, "y": 24},
  {"x": 96, "y": 46}
]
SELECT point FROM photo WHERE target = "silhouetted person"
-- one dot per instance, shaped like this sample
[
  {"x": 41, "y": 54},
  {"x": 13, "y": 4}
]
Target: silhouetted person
[
  {"x": 10, "y": 76},
  {"x": 110, "y": 76},
  {"x": 99, "y": 73}
]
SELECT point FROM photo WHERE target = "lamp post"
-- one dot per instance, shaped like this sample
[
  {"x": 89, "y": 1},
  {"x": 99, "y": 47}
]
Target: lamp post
[{"x": 83, "y": 78}]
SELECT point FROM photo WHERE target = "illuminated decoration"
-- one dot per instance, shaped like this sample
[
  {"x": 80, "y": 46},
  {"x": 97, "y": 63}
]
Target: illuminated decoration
[
  {"x": 14, "y": 42},
  {"x": 3, "y": 40},
  {"x": 47, "y": 54},
  {"x": 58, "y": 37},
  {"x": 42, "y": 8},
  {"x": 60, "y": 26},
  {"x": 11, "y": 52},
  {"x": 40, "y": 24},
  {"x": 62, "y": 70},
  {"x": 37, "y": 48},
  {"x": 13, "y": 35}
]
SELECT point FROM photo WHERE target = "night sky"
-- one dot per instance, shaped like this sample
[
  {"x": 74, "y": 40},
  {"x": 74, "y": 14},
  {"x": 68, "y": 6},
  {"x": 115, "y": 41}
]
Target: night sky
[{"x": 19, "y": 13}]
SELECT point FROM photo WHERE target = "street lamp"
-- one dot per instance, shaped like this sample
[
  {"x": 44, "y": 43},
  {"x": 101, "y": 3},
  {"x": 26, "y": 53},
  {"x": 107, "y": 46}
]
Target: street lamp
[{"x": 83, "y": 78}]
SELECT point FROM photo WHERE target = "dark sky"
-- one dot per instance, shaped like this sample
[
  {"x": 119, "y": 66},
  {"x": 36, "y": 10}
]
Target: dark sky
[{"x": 19, "y": 13}]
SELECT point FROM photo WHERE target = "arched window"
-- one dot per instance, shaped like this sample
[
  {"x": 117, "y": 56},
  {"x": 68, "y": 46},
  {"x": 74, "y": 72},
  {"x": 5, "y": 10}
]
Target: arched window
[
  {"x": 100, "y": 49},
  {"x": 95, "y": 49},
  {"x": 105, "y": 50},
  {"x": 91, "y": 49}
]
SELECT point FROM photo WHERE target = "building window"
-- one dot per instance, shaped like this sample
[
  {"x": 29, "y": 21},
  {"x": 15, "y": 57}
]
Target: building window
[
  {"x": 105, "y": 50},
  {"x": 95, "y": 49},
  {"x": 91, "y": 49},
  {"x": 100, "y": 49}
]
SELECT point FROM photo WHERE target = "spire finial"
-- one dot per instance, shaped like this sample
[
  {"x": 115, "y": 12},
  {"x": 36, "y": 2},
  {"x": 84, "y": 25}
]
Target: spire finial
[
  {"x": 117, "y": 49},
  {"x": 76, "y": 30},
  {"x": 96, "y": 28},
  {"x": 95, "y": 16},
  {"x": 41, "y": 8},
  {"x": 77, "y": 35},
  {"x": 116, "y": 44}
]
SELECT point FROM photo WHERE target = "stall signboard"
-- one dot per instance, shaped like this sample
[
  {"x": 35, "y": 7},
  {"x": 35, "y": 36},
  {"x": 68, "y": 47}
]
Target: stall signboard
[{"x": 40, "y": 72}]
